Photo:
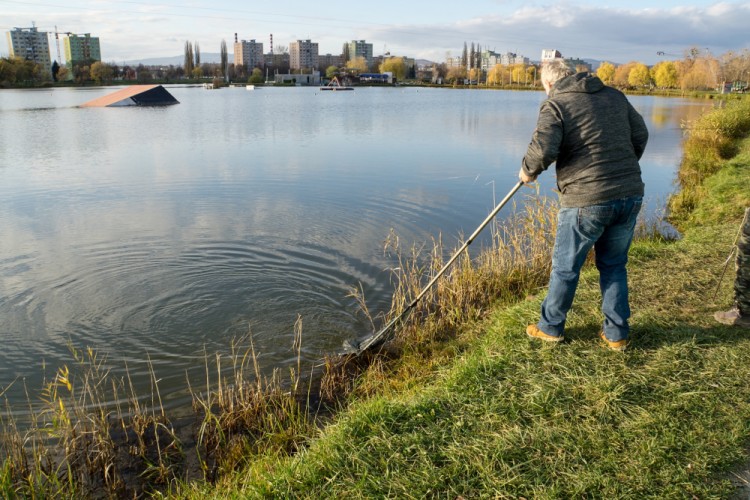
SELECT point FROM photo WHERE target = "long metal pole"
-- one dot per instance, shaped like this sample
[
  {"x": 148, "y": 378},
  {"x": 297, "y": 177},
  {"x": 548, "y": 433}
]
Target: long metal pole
[
  {"x": 378, "y": 337},
  {"x": 468, "y": 241}
]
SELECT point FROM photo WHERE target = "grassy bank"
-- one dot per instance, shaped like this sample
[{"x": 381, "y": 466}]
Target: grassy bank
[
  {"x": 489, "y": 413},
  {"x": 461, "y": 403}
]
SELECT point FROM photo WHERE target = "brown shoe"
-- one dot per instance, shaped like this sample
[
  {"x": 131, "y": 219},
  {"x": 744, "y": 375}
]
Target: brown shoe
[
  {"x": 615, "y": 345},
  {"x": 533, "y": 331},
  {"x": 732, "y": 317}
]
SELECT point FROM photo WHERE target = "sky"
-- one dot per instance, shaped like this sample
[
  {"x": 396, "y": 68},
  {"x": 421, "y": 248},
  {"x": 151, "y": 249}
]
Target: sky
[{"x": 620, "y": 31}]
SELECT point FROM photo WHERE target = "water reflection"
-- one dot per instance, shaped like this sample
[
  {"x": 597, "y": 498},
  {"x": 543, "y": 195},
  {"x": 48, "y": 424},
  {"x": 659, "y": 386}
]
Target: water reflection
[{"x": 160, "y": 232}]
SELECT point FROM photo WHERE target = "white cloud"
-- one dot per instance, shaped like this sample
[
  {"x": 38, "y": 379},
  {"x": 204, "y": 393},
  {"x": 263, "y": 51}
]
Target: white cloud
[
  {"x": 720, "y": 9},
  {"x": 588, "y": 32},
  {"x": 577, "y": 30}
]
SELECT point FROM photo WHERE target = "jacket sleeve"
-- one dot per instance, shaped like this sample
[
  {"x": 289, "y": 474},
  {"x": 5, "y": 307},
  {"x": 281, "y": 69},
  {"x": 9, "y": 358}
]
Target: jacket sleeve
[
  {"x": 545, "y": 141},
  {"x": 638, "y": 131}
]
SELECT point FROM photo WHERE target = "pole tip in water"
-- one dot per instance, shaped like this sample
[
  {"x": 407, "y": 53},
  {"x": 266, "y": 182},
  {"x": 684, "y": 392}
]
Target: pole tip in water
[{"x": 351, "y": 346}]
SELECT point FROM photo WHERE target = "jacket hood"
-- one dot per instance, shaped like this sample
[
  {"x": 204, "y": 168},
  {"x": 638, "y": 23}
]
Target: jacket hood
[{"x": 580, "y": 82}]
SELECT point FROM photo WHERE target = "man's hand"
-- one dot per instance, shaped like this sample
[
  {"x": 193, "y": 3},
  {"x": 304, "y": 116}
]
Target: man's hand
[{"x": 525, "y": 178}]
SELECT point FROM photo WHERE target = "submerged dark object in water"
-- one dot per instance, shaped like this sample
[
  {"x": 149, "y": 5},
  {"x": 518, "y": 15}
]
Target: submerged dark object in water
[{"x": 135, "y": 95}]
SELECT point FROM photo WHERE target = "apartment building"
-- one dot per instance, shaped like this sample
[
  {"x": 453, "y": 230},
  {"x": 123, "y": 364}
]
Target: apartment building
[
  {"x": 303, "y": 54},
  {"x": 453, "y": 62},
  {"x": 511, "y": 58},
  {"x": 360, "y": 48},
  {"x": 30, "y": 44},
  {"x": 248, "y": 54},
  {"x": 490, "y": 59},
  {"x": 277, "y": 62},
  {"x": 82, "y": 48},
  {"x": 327, "y": 60},
  {"x": 549, "y": 54}
]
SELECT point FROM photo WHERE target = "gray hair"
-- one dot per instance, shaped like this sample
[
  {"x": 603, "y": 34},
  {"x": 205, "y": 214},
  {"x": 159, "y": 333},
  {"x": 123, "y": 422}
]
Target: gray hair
[{"x": 555, "y": 69}]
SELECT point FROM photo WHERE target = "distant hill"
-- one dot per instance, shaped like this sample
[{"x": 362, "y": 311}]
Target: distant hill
[
  {"x": 206, "y": 57},
  {"x": 211, "y": 57},
  {"x": 595, "y": 63}
]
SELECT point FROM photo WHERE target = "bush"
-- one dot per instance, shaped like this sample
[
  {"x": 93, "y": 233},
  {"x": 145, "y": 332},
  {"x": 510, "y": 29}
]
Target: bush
[{"x": 712, "y": 139}]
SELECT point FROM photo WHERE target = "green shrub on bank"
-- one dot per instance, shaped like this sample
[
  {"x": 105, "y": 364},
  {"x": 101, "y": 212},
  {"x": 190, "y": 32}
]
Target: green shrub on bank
[{"x": 713, "y": 138}]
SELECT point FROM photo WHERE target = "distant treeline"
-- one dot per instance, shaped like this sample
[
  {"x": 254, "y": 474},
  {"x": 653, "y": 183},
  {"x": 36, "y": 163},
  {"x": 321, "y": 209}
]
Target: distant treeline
[{"x": 697, "y": 70}]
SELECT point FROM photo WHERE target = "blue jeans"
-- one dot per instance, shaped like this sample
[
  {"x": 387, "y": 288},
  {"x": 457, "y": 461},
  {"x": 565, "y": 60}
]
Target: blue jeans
[{"x": 608, "y": 227}]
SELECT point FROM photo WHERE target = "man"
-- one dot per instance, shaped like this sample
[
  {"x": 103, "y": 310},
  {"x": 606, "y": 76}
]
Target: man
[
  {"x": 595, "y": 137},
  {"x": 739, "y": 315}
]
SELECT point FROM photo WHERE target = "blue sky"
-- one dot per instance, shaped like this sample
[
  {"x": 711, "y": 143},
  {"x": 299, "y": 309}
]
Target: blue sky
[{"x": 619, "y": 31}]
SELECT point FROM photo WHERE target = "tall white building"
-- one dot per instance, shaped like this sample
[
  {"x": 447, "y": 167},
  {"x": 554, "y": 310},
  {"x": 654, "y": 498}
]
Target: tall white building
[
  {"x": 303, "y": 54},
  {"x": 549, "y": 54},
  {"x": 32, "y": 45},
  {"x": 248, "y": 53}
]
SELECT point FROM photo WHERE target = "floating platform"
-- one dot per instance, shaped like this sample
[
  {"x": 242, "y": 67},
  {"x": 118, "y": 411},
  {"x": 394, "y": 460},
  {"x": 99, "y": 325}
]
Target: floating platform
[
  {"x": 335, "y": 84},
  {"x": 135, "y": 95}
]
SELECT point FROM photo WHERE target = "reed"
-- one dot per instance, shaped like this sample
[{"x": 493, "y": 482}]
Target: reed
[
  {"x": 514, "y": 263},
  {"x": 80, "y": 445},
  {"x": 95, "y": 437},
  {"x": 245, "y": 413}
]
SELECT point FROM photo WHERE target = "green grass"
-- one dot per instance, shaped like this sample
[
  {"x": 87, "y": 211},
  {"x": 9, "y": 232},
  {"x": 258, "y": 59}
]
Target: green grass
[{"x": 503, "y": 416}]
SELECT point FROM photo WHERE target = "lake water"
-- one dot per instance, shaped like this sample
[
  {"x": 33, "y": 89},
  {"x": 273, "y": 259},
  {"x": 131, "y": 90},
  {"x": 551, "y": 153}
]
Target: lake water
[{"x": 164, "y": 233}]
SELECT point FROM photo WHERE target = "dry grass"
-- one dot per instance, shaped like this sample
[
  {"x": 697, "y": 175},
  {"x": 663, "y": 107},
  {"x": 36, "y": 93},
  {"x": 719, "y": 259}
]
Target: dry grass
[
  {"x": 79, "y": 445},
  {"x": 95, "y": 437},
  {"x": 246, "y": 413},
  {"x": 513, "y": 266},
  {"x": 514, "y": 263}
]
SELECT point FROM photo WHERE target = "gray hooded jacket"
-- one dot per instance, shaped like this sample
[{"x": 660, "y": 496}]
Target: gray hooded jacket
[{"x": 596, "y": 138}]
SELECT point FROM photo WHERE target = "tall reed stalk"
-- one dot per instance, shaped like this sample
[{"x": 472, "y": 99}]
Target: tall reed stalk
[
  {"x": 514, "y": 263},
  {"x": 247, "y": 413},
  {"x": 95, "y": 437},
  {"x": 80, "y": 444}
]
